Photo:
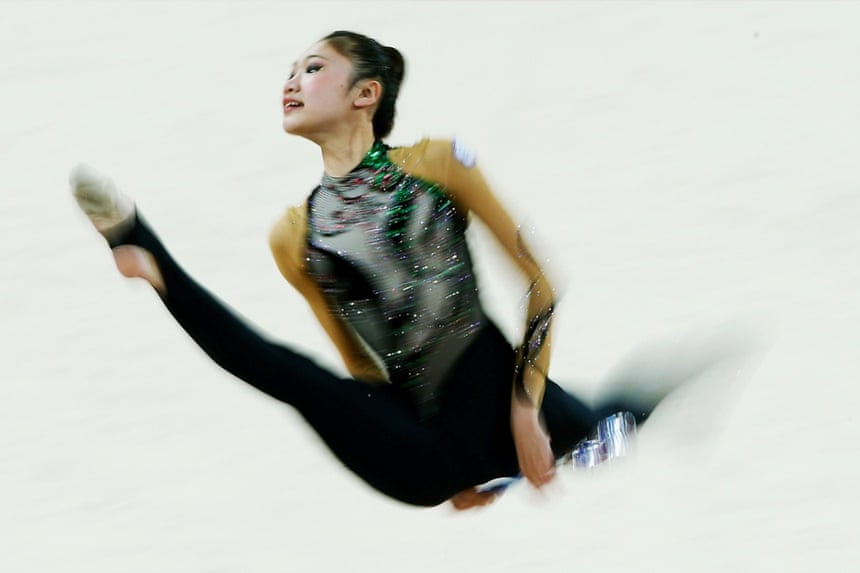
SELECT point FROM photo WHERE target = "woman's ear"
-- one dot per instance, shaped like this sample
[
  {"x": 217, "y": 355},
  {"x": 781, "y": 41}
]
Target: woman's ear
[{"x": 369, "y": 92}]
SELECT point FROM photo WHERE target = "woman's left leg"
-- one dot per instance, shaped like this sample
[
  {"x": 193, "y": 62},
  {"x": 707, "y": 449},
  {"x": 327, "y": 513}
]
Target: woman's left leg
[
  {"x": 568, "y": 420},
  {"x": 477, "y": 400}
]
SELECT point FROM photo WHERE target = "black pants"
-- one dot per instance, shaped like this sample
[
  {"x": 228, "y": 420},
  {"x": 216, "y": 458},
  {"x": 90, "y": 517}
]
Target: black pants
[{"x": 373, "y": 429}]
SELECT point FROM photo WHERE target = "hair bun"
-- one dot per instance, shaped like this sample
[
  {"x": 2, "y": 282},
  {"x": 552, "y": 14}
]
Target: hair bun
[
  {"x": 372, "y": 60},
  {"x": 395, "y": 60}
]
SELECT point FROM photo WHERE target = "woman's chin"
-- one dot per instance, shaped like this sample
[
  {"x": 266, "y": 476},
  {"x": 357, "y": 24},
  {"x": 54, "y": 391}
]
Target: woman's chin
[
  {"x": 289, "y": 127},
  {"x": 298, "y": 131}
]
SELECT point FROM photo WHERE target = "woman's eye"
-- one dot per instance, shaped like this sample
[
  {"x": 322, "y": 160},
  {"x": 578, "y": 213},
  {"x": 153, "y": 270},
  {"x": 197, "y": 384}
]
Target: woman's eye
[{"x": 313, "y": 68}]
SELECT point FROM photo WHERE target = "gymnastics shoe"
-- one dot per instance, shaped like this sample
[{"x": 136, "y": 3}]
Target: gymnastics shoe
[
  {"x": 100, "y": 199},
  {"x": 614, "y": 437}
]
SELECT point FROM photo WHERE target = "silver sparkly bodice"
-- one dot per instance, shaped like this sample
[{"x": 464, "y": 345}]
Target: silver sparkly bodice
[{"x": 389, "y": 252}]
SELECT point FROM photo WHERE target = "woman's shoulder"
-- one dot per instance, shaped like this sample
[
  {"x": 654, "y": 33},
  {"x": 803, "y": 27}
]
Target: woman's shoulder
[
  {"x": 291, "y": 221},
  {"x": 286, "y": 239},
  {"x": 430, "y": 158}
]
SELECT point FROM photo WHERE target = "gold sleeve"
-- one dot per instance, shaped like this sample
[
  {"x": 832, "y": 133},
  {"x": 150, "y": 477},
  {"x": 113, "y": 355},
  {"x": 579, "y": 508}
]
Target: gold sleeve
[
  {"x": 455, "y": 168},
  {"x": 287, "y": 242}
]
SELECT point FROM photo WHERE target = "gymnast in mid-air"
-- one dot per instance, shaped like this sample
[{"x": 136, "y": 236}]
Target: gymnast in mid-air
[{"x": 438, "y": 402}]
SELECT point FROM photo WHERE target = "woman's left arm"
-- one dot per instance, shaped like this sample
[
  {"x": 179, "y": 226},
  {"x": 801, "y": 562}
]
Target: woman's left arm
[{"x": 471, "y": 193}]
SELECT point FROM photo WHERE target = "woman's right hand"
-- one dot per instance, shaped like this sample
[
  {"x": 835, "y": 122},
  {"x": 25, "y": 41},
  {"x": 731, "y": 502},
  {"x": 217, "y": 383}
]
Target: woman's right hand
[{"x": 537, "y": 463}]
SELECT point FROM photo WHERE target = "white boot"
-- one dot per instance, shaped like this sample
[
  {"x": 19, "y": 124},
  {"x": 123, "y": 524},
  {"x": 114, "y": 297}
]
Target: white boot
[{"x": 100, "y": 199}]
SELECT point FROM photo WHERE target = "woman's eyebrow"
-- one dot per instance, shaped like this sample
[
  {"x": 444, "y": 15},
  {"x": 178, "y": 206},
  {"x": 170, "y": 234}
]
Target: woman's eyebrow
[{"x": 308, "y": 57}]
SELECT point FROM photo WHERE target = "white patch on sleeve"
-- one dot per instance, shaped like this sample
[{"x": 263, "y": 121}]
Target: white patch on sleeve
[{"x": 463, "y": 154}]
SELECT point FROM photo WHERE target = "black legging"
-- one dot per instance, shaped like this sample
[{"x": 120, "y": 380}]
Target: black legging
[{"x": 373, "y": 429}]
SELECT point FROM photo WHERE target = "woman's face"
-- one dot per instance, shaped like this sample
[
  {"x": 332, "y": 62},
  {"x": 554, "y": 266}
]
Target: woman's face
[{"x": 317, "y": 94}]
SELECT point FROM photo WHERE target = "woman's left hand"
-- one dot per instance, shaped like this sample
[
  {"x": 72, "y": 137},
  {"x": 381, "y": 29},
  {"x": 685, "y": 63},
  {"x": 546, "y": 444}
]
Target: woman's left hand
[{"x": 534, "y": 454}]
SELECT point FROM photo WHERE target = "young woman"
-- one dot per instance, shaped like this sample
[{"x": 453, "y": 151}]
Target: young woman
[{"x": 438, "y": 401}]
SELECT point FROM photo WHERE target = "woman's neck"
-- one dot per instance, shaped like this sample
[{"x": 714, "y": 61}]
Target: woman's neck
[{"x": 341, "y": 155}]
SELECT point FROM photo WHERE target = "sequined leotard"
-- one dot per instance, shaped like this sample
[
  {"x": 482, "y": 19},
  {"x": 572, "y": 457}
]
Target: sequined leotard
[{"x": 389, "y": 252}]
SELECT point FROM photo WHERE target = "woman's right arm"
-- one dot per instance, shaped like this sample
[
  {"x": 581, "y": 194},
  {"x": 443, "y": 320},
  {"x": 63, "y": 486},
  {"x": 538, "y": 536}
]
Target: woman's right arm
[{"x": 287, "y": 242}]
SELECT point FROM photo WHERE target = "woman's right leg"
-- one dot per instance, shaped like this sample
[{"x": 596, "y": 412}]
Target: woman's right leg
[
  {"x": 217, "y": 330},
  {"x": 228, "y": 340},
  {"x": 373, "y": 430}
]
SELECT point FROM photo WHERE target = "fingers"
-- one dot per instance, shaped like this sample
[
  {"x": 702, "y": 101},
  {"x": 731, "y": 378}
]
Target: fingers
[
  {"x": 537, "y": 464},
  {"x": 541, "y": 473},
  {"x": 532, "y": 443}
]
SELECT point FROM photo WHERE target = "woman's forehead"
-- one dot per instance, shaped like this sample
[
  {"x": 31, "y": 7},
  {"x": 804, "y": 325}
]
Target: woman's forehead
[{"x": 321, "y": 49}]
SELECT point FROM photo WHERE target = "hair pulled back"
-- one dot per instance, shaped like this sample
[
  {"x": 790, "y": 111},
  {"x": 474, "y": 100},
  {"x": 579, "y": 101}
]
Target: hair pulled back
[{"x": 372, "y": 60}]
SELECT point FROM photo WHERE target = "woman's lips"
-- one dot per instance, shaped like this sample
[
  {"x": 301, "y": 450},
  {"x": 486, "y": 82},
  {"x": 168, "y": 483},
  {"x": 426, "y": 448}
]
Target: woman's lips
[{"x": 291, "y": 104}]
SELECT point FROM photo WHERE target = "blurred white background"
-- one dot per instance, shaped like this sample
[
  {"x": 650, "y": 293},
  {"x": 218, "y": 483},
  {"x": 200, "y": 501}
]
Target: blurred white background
[{"x": 680, "y": 166}]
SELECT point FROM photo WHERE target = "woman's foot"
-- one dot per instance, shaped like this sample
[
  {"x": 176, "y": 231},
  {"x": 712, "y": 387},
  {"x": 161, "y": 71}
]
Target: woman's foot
[
  {"x": 107, "y": 208},
  {"x": 112, "y": 213},
  {"x": 472, "y": 498}
]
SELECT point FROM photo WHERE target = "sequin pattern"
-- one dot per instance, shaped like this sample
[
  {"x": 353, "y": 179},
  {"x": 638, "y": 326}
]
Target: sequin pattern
[{"x": 388, "y": 250}]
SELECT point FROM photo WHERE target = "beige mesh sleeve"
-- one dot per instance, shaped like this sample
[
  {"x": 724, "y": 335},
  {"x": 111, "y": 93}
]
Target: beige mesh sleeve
[
  {"x": 454, "y": 167},
  {"x": 287, "y": 242}
]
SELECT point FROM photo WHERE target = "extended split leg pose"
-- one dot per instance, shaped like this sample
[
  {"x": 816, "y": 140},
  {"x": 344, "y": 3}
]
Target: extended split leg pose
[{"x": 438, "y": 401}]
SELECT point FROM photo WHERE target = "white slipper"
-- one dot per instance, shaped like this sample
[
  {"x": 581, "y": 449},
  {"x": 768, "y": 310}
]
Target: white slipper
[{"x": 99, "y": 198}]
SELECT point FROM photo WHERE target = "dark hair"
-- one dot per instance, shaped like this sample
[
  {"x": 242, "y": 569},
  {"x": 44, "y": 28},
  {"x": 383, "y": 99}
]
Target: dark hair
[{"x": 372, "y": 60}]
